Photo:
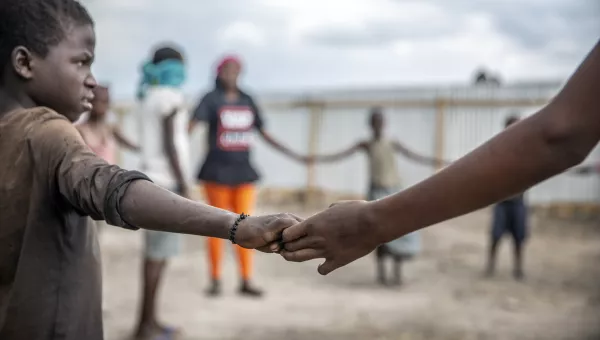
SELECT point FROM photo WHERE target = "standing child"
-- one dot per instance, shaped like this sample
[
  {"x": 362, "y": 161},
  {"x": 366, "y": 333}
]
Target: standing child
[
  {"x": 227, "y": 174},
  {"x": 384, "y": 180},
  {"x": 163, "y": 118},
  {"x": 510, "y": 216},
  {"x": 50, "y": 181}
]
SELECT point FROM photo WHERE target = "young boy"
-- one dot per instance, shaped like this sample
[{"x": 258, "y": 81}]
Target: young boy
[
  {"x": 510, "y": 216},
  {"x": 50, "y": 282},
  {"x": 384, "y": 181}
]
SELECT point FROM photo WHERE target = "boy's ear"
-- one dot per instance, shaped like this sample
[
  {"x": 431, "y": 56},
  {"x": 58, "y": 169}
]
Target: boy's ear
[{"x": 22, "y": 62}]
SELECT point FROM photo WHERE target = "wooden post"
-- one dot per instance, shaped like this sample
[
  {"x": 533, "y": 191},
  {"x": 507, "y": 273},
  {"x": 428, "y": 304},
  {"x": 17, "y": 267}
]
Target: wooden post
[
  {"x": 314, "y": 129},
  {"x": 440, "y": 131}
]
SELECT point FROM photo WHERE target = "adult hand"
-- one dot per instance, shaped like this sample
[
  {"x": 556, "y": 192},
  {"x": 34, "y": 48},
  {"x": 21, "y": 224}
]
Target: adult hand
[
  {"x": 264, "y": 232},
  {"x": 341, "y": 234}
]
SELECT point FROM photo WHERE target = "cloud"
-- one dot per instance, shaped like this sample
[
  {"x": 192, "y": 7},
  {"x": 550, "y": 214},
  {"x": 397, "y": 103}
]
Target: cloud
[
  {"x": 303, "y": 44},
  {"x": 242, "y": 32},
  {"x": 392, "y": 23}
]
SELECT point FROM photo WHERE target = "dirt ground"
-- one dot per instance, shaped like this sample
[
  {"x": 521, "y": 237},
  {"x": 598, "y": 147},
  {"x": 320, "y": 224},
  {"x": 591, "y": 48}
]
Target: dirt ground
[{"x": 444, "y": 297}]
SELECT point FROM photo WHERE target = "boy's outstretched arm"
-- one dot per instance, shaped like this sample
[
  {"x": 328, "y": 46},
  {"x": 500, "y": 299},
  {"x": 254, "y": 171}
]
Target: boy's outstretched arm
[
  {"x": 152, "y": 207},
  {"x": 406, "y": 152},
  {"x": 556, "y": 138},
  {"x": 87, "y": 184},
  {"x": 339, "y": 155}
]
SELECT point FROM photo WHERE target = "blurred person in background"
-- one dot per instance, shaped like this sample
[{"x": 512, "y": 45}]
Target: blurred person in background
[
  {"x": 103, "y": 137},
  {"x": 165, "y": 159},
  {"x": 509, "y": 216},
  {"x": 384, "y": 180},
  {"x": 227, "y": 175},
  {"x": 99, "y": 133}
]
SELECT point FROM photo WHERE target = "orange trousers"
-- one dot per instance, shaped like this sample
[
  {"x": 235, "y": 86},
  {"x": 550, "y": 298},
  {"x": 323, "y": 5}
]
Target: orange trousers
[{"x": 238, "y": 199}]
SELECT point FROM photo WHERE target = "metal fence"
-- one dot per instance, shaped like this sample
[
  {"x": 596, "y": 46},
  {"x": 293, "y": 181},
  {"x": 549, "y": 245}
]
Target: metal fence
[{"x": 443, "y": 122}]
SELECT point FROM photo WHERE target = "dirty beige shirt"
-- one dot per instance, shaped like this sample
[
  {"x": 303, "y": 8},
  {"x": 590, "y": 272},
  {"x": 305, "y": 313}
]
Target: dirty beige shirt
[
  {"x": 382, "y": 164},
  {"x": 50, "y": 282}
]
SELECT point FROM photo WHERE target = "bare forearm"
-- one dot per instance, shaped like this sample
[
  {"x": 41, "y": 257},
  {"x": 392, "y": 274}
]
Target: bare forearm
[
  {"x": 506, "y": 165},
  {"x": 428, "y": 161},
  {"x": 149, "y": 206},
  {"x": 171, "y": 152},
  {"x": 176, "y": 167},
  {"x": 339, "y": 155},
  {"x": 551, "y": 141},
  {"x": 330, "y": 158},
  {"x": 277, "y": 146}
]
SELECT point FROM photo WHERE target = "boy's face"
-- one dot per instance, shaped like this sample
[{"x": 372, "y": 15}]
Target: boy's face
[
  {"x": 229, "y": 74},
  {"x": 63, "y": 81},
  {"x": 377, "y": 123}
]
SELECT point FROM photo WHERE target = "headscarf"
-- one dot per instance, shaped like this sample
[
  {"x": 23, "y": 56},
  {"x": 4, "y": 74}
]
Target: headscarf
[
  {"x": 169, "y": 72},
  {"x": 226, "y": 60}
]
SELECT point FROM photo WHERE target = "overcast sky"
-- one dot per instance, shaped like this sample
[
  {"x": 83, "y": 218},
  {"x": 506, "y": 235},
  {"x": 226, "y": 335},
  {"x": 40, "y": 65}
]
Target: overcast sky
[{"x": 295, "y": 45}]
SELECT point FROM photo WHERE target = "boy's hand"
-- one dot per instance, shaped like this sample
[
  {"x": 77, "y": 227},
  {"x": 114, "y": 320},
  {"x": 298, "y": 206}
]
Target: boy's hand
[
  {"x": 341, "y": 234},
  {"x": 264, "y": 232}
]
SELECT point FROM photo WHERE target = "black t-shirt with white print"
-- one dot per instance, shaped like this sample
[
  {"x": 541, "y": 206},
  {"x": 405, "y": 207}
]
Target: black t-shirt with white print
[{"x": 230, "y": 136}]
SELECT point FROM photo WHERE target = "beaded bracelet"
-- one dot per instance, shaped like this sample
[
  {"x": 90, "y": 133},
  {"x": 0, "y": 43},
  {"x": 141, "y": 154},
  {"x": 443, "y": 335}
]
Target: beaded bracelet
[{"x": 233, "y": 229}]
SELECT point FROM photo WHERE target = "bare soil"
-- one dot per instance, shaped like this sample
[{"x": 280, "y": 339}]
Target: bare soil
[{"x": 444, "y": 296}]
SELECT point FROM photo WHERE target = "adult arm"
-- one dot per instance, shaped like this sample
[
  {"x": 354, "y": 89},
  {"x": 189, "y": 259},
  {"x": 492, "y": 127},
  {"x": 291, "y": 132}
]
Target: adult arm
[{"x": 554, "y": 139}]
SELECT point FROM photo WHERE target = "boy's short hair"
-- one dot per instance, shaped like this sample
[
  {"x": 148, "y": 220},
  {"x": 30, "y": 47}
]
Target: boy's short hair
[
  {"x": 166, "y": 53},
  {"x": 37, "y": 25}
]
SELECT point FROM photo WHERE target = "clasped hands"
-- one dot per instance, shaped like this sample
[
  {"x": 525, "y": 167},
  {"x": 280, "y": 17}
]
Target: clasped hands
[{"x": 340, "y": 234}]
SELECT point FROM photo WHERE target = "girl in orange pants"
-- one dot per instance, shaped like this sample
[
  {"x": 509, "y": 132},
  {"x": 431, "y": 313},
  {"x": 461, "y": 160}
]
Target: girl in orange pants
[
  {"x": 227, "y": 173},
  {"x": 238, "y": 199}
]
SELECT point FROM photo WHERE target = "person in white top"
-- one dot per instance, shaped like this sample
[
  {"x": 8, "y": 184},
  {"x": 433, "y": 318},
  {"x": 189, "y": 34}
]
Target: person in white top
[
  {"x": 163, "y": 113},
  {"x": 163, "y": 121}
]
